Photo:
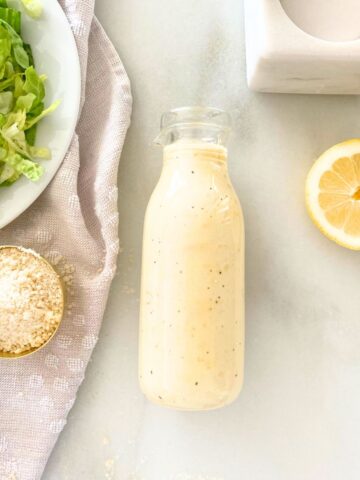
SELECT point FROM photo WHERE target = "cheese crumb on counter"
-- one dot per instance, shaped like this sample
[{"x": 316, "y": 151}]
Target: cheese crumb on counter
[{"x": 31, "y": 300}]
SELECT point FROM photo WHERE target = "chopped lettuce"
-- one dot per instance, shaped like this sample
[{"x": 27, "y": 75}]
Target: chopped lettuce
[
  {"x": 43, "y": 114},
  {"x": 31, "y": 170},
  {"x": 33, "y": 8},
  {"x": 11, "y": 17},
  {"x": 34, "y": 84},
  {"x": 6, "y": 102},
  {"x": 24, "y": 102},
  {"x": 22, "y": 94}
]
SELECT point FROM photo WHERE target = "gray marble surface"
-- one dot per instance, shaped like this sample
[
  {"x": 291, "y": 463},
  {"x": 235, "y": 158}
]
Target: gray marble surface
[{"x": 298, "y": 416}]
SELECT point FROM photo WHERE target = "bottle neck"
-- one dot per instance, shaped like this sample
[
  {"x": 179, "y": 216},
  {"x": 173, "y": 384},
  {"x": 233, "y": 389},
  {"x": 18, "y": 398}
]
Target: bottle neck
[{"x": 193, "y": 132}]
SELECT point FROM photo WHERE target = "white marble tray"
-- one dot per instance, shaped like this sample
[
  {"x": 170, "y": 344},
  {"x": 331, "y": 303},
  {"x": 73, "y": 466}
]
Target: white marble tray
[{"x": 283, "y": 58}]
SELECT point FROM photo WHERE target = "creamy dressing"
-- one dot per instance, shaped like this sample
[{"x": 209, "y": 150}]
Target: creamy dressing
[{"x": 192, "y": 302}]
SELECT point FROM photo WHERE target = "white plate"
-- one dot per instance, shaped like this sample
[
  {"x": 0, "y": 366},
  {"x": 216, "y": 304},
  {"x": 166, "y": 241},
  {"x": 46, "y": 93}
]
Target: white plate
[{"x": 56, "y": 55}]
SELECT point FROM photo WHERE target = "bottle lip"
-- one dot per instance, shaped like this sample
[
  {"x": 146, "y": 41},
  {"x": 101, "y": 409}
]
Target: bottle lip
[{"x": 197, "y": 116}]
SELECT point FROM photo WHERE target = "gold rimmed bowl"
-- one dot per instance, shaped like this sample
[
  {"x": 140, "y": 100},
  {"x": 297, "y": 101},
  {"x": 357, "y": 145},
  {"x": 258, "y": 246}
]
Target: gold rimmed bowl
[{"x": 13, "y": 250}]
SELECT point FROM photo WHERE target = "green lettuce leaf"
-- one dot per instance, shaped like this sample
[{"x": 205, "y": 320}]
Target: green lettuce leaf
[
  {"x": 30, "y": 135},
  {"x": 5, "y": 45},
  {"x": 24, "y": 102},
  {"x": 28, "y": 50},
  {"x": 33, "y": 8},
  {"x": 43, "y": 114},
  {"x": 6, "y": 102},
  {"x": 32, "y": 170},
  {"x": 12, "y": 17},
  {"x": 8, "y": 175},
  {"x": 34, "y": 84},
  {"x": 40, "y": 152},
  {"x": 22, "y": 99},
  {"x": 18, "y": 51},
  {"x": 21, "y": 57}
]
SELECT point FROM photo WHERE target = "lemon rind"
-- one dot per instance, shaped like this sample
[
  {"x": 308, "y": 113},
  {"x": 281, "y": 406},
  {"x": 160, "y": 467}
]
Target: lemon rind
[{"x": 323, "y": 163}]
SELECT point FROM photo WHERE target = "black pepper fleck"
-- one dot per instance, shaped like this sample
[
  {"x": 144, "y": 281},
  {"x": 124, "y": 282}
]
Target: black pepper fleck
[
  {"x": 151, "y": 372},
  {"x": 160, "y": 397},
  {"x": 192, "y": 171},
  {"x": 196, "y": 383}
]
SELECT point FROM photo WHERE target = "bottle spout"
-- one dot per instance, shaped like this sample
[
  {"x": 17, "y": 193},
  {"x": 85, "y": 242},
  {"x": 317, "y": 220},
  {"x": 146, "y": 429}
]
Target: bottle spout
[{"x": 206, "y": 124}]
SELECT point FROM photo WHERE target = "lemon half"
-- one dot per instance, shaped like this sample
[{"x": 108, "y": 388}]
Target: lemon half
[{"x": 333, "y": 193}]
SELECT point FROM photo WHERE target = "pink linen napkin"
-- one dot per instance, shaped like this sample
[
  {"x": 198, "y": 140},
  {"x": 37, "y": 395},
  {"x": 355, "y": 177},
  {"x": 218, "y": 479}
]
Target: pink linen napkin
[{"x": 75, "y": 225}]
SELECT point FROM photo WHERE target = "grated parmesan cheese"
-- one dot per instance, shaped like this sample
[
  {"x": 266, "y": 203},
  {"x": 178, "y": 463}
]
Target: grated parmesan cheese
[{"x": 31, "y": 300}]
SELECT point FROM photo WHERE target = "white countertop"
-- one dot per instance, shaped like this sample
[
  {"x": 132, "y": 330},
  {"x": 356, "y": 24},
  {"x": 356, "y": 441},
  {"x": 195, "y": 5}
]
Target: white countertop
[{"x": 298, "y": 415}]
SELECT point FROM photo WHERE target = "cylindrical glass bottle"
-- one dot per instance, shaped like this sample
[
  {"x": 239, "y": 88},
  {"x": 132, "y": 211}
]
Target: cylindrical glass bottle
[{"x": 192, "y": 299}]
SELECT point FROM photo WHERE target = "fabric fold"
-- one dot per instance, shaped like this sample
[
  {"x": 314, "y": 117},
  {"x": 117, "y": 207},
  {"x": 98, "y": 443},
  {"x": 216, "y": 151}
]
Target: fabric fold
[{"x": 74, "y": 224}]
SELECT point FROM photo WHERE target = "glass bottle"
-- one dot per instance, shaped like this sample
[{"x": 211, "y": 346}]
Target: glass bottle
[{"x": 192, "y": 296}]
